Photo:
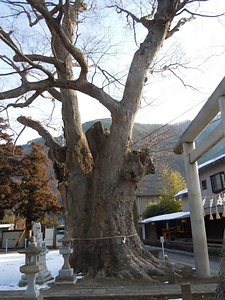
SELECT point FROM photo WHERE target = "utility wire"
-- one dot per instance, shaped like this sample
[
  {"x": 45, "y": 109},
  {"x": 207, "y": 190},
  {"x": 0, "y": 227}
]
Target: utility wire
[{"x": 164, "y": 125}]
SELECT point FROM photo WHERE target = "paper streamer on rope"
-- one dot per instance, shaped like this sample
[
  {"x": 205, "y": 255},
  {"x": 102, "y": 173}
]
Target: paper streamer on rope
[
  {"x": 203, "y": 204},
  {"x": 210, "y": 209},
  {"x": 218, "y": 202},
  {"x": 223, "y": 214}
]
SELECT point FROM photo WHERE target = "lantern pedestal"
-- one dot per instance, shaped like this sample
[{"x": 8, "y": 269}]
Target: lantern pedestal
[{"x": 66, "y": 274}]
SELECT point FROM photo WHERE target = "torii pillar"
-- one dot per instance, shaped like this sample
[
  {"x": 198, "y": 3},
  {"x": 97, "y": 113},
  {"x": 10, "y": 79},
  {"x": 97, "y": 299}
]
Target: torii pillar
[{"x": 196, "y": 214}]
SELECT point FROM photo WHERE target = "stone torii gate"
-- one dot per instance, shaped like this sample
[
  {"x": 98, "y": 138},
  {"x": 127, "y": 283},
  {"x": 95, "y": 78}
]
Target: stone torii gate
[{"x": 186, "y": 145}]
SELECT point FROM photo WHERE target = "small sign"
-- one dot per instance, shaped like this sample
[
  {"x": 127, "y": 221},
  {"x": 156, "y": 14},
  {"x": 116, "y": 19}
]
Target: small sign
[
  {"x": 162, "y": 242},
  {"x": 161, "y": 239}
]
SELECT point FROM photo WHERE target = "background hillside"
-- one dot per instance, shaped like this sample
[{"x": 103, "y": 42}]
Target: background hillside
[{"x": 160, "y": 139}]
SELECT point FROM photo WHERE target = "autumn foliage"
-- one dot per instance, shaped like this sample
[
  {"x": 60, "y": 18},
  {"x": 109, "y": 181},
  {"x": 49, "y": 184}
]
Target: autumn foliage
[
  {"x": 172, "y": 182},
  {"x": 24, "y": 182}
]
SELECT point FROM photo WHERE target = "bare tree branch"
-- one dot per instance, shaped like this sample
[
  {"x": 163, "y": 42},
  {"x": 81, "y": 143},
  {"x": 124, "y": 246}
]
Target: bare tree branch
[
  {"x": 55, "y": 94},
  {"x": 91, "y": 90},
  {"x": 36, "y": 125},
  {"x": 145, "y": 54},
  {"x": 37, "y": 57},
  {"x": 27, "y": 102},
  {"x": 22, "y": 73},
  {"x": 56, "y": 29},
  {"x": 47, "y": 85},
  {"x": 109, "y": 77},
  {"x": 21, "y": 131},
  {"x": 200, "y": 15},
  {"x": 184, "y": 84},
  {"x": 27, "y": 87},
  {"x": 5, "y": 37},
  {"x": 143, "y": 20},
  {"x": 56, "y": 9},
  {"x": 180, "y": 23}
]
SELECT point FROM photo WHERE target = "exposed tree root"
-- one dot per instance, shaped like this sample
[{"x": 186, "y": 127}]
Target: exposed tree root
[{"x": 132, "y": 266}]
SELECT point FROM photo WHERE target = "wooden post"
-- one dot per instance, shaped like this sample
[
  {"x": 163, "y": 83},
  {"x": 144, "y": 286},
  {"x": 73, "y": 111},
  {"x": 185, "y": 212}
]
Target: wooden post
[{"x": 186, "y": 291}]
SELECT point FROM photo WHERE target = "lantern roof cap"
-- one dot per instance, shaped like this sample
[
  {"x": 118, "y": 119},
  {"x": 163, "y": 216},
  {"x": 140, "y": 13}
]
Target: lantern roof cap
[{"x": 66, "y": 238}]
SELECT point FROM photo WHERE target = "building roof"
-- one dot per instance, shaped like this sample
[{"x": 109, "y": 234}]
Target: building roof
[
  {"x": 204, "y": 165},
  {"x": 181, "y": 193},
  {"x": 167, "y": 217},
  {"x": 211, "y": 162}
]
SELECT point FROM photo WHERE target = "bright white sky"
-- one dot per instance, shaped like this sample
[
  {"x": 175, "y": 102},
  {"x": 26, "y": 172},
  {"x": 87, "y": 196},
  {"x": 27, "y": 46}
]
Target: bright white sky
[{"x": 201, "y": 43}]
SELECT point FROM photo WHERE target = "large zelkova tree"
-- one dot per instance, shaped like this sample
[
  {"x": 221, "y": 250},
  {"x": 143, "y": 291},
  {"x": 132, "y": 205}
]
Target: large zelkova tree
[{"x": 98, "y": 172}]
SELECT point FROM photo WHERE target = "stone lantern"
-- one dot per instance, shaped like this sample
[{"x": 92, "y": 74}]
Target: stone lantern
[
  {"x": 30, "y": 269},
  {"x": 66, "y": 274}
]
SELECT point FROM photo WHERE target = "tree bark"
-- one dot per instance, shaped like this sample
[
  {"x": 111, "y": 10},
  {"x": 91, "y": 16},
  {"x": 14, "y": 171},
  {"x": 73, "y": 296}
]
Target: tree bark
[{"x": 98, "y": 209}]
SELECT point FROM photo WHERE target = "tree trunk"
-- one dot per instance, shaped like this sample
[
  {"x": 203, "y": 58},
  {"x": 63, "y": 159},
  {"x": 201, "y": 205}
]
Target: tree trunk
[
  {"x": 98, "y": 208},
  {"x": 99, "y": 174}
]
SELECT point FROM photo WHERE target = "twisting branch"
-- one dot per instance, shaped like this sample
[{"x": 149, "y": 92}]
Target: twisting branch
[
  {"x": 180, "y": 23},
  {"x": 56, "y": 28},
  {"x": 40, "y": 17},
  {"x": 21, "y": 131},
  {"x": 90, "y": 89},
  {"x": 27, "y": 87},
  {"x": 47, "y": 85},
  {"x": 145, "y": 21},
  {"x": 199, "y": 15},
  {"x": 55, "y": 94},
  {"x": 22, "y": 73},
  {"x": 36, "y": 125},
  {"x": 37, "y": 57},
  {"x": 109, "y": 77},
  {"x": 27, "y": 102}
]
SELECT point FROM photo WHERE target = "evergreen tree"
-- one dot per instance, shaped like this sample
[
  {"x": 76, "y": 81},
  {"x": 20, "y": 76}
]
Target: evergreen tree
[
  {"x": 10, "y": 157},
  {"x": 24, "y": 182},
  {"x": 36, "y": 198}
]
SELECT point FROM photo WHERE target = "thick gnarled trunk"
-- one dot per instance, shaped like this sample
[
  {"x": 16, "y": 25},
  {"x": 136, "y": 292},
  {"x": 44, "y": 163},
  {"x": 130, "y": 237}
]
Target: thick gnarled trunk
[{"x": 98, "y": 207}]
